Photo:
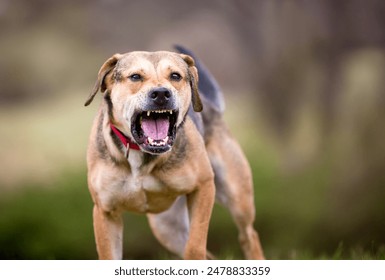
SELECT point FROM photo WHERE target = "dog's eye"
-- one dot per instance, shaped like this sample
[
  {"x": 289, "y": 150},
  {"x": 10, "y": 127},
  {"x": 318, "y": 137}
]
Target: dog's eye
[
  {"x": 135, "y": 77},
  {"x": 175, "y": 76}
]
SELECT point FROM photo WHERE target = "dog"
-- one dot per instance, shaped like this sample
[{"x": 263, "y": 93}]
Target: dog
[{"x": 159, "y": 146}]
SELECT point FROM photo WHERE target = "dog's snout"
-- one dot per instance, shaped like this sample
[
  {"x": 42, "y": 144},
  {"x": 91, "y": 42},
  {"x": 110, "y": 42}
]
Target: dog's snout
[{"x": 160, "y": 96}]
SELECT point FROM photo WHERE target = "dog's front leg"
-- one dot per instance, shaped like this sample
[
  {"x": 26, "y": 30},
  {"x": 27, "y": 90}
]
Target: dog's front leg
[
  {"x": 108, "y": 228},
  {"x": 200, "y": 205}
]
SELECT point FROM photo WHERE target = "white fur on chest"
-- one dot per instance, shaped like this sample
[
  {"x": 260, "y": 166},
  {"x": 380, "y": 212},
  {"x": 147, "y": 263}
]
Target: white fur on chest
[
  {"x": 139, "y": 190},
  {"x": 141, "y": 175}
]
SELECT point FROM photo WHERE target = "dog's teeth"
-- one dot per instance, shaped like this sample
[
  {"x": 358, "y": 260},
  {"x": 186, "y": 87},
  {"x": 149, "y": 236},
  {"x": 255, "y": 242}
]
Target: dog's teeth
[
  {"x": 158, "y": 143},
  {"x": 160, "y": 112}
]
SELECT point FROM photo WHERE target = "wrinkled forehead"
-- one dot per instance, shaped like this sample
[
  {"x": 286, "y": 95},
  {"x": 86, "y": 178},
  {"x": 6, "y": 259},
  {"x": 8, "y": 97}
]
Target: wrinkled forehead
[{"x": 148, "y": 61}]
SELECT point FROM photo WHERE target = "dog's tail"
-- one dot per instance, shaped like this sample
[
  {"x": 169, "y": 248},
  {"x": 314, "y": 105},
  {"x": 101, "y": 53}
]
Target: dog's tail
[{"x": 207, "y": 84}]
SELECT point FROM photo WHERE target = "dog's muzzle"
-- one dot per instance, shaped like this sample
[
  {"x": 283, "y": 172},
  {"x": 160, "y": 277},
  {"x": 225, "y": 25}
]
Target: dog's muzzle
[{"x": 154, "y": 127}]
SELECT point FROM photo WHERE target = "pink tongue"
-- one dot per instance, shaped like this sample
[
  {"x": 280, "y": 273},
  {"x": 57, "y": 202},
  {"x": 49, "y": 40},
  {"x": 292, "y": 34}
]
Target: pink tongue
[{"x": 157, "y": 128}]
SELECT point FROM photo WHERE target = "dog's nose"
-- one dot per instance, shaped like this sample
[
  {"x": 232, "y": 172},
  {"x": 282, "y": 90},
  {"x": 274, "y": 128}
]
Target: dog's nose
[{"x": 160, "y": 96}]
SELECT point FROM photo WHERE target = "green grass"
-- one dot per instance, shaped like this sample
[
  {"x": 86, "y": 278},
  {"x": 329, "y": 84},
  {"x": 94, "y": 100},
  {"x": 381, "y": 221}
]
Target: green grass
[{"x": 46, "y": 222}]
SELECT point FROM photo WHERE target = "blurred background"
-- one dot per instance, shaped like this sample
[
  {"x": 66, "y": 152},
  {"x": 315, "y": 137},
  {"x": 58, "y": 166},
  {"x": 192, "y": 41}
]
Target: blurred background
[{"x": 304, "y": 86}]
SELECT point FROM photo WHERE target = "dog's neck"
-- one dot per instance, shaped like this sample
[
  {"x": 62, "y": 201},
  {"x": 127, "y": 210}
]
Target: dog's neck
[{"x": 126, "y": 141}]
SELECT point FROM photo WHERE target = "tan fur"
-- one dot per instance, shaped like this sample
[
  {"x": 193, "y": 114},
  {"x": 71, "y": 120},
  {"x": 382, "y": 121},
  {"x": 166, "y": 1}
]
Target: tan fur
[{"x": 119, "y": 184}]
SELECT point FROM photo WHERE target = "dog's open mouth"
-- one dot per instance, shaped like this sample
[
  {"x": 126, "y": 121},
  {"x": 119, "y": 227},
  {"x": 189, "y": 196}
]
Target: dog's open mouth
[{"x": 155, "y": 130}]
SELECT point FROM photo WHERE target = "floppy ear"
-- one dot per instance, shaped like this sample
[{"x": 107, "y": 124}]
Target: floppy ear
[
  {"x": 193, "y": 77},
  {"x": 104, "y": 70}
]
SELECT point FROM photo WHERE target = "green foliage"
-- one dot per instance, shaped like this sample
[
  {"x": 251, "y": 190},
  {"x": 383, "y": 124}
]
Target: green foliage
[
  {"x": 55, "y": 222},
  {"x": 49, "y": 222}
]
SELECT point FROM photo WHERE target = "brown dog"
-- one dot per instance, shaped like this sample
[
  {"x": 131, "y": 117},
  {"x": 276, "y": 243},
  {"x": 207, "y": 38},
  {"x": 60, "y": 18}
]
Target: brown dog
[{"x": 151, "y": 152}]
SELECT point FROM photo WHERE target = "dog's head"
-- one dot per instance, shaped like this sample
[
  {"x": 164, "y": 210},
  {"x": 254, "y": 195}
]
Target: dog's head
[{"x": 148, "y": 95}]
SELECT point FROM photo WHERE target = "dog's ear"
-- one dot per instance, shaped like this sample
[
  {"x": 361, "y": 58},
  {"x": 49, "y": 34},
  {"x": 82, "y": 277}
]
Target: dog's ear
[
  {"x": 100, "y": 82},
  {"x": 193, "y": 77}
]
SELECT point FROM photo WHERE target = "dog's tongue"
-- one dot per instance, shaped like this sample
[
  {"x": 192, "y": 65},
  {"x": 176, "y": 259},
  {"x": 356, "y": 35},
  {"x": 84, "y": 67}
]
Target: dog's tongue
[{"x": 156, "y": 128}]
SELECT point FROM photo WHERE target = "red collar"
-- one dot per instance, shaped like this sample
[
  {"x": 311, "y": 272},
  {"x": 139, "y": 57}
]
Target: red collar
[{"x": 128, "y": 144}]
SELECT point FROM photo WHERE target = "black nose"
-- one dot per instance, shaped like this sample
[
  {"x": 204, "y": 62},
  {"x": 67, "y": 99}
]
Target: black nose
[{"x": 160, "y": 96}]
